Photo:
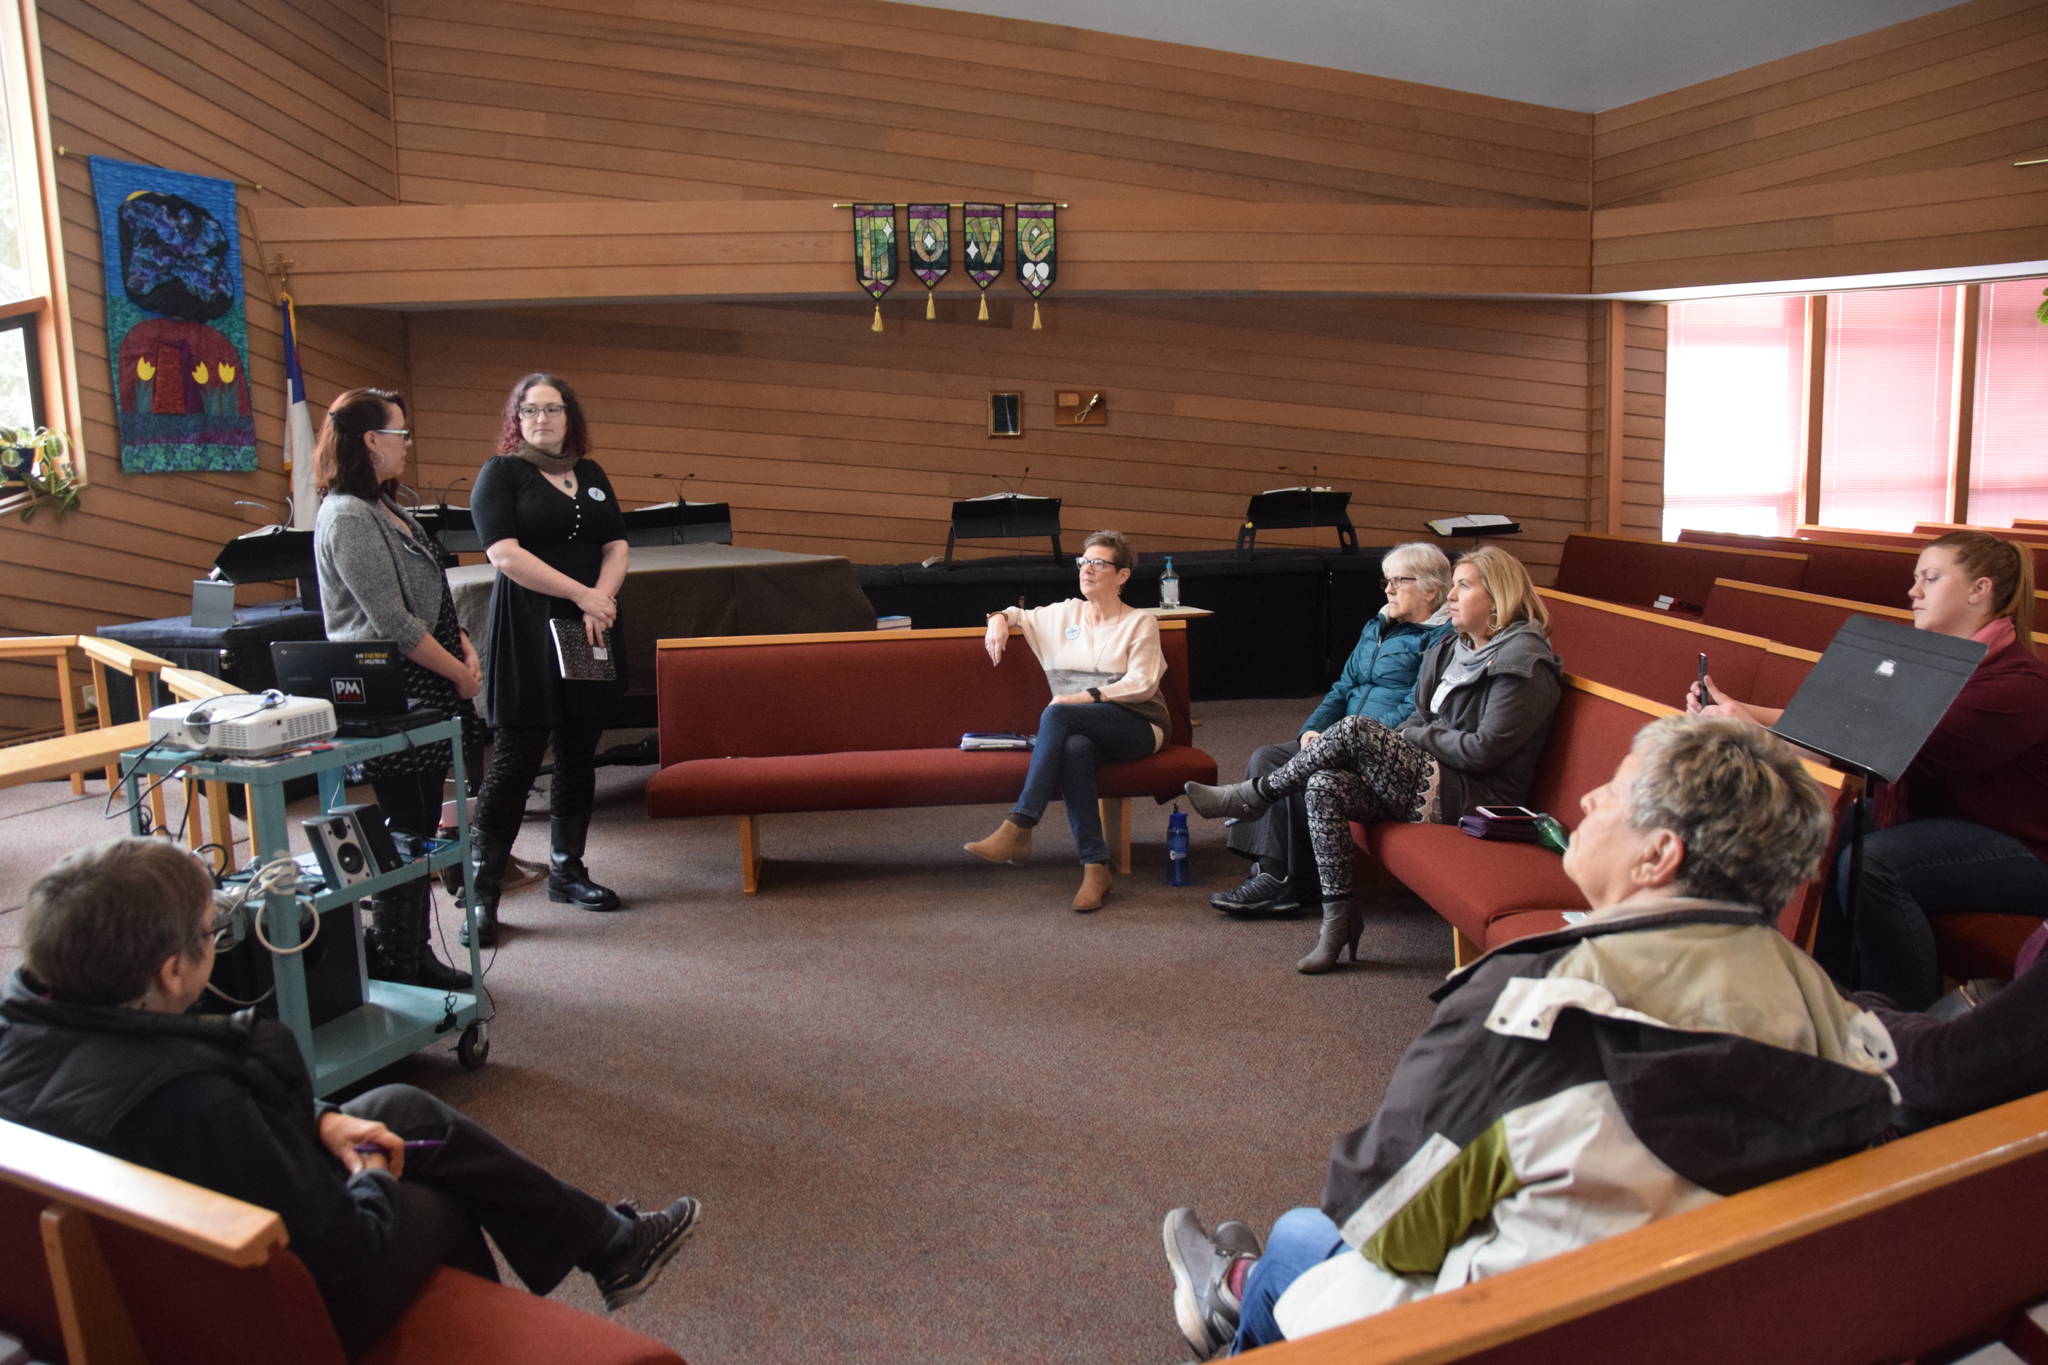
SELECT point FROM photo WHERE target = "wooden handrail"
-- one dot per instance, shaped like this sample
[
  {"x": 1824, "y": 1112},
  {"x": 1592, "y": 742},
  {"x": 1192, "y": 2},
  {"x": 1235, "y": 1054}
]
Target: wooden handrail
[
  {"x": 1509, "y": 1307},
  {"x": 872, "y": 637},
  {"x": 1660, "y": 618},
  {"x": 214, "y": 1225}
]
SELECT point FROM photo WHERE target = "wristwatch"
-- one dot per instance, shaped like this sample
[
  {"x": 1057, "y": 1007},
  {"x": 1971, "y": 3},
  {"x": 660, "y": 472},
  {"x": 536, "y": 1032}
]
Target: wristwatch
[{"x": 1095, "y": 693}]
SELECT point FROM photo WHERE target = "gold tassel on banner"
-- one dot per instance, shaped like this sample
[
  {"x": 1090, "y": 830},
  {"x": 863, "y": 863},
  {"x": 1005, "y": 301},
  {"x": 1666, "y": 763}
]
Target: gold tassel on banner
[
  {"x": 929, "y": 311},
  {"x": 983, "y": 316},
  {"x": 1036, "y": 325},
  {"x": 878, "y": 319}
]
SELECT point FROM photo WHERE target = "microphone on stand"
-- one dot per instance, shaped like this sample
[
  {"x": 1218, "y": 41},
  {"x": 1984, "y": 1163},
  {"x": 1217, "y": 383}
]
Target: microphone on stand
[
  {"x": 1018, "y": 491},
  {"x": 679, "y": 486},
  {"x": 263, "y": 506},
  {"x": 449, "y": 491}
]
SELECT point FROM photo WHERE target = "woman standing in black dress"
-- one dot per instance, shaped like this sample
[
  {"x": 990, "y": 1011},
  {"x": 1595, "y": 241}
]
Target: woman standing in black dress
[{"x": 552, "y": 528}]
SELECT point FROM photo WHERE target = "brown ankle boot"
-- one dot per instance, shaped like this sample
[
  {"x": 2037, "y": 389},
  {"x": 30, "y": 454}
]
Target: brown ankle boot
[
  {"x": 1094, "y": 887},
  {"x": 1011, "y": 843}
]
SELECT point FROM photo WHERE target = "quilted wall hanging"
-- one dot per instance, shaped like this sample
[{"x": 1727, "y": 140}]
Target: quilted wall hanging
[{"x": 177, "y": 332}]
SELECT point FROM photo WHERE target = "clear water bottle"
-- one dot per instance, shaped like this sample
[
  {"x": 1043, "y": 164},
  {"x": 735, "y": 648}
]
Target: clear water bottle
[
  {"x": 1169, "y": 586},
  {"x": 1177, "y": 847}
]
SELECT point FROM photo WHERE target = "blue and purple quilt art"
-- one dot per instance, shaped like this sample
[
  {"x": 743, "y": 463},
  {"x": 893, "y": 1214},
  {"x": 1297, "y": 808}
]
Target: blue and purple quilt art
[{"x": 177, "y": 332}]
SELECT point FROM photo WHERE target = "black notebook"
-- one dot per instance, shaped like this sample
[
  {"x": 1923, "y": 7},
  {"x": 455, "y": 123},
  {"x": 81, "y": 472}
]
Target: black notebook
[{"x": 582, "y": 661}]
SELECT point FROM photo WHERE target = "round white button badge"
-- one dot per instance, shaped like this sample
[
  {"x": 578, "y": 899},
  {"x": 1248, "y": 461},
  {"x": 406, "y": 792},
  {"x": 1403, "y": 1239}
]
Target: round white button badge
[
  {"x": 1073, "y": 632},
  {"x": 597, "y": 495}
]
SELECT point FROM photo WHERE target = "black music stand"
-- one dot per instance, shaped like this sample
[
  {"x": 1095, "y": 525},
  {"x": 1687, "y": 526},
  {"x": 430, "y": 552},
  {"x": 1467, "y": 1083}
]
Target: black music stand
[
  {"x": 1005, "y": 516},
  {"x": 1878, "y": 692},
  {"x": 450, "y": 527},
  {"x": 271, "y": 555},
  {"x": 1286, "y": 509},
  {"x": 680, "y": 523}
]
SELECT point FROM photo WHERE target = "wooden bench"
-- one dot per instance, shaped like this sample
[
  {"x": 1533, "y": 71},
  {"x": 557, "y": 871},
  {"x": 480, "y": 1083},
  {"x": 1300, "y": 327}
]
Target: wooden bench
[
  {"x": 1654, "y": 654},
  {"x": 1933, "y": 1240},
  {"x": 1640, "y": 571},
  {"x": 1863, "y": 573},
  {"x": 1791, "y": 617},
  {"x": 755, "y": 725},
  {"x": 1916, "y": 540},
  {"x": 111, "y": 1262},
  {"x": 1494, "y": 892}
]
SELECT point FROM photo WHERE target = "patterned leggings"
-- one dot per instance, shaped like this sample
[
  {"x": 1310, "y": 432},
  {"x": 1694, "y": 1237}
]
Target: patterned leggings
[{"x": 1357, "y": 770}]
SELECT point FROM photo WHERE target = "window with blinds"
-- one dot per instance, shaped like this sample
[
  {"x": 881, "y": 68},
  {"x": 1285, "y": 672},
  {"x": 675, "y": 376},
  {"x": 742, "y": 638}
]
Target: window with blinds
[
  {"x": 1731, "y": 415},
  {"x": 1885, "y": 418},
  {"x": 2009, "y": 434}
]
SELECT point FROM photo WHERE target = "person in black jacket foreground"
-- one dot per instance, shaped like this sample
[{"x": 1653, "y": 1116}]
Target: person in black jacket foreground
[{"x": 96, "y": 1047}]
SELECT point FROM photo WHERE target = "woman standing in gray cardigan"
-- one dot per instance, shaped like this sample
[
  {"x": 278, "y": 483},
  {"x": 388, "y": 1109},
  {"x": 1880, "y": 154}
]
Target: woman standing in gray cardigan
[
  {"x": 1483, "y": 705},
  {"x": 381, "y": 579}
]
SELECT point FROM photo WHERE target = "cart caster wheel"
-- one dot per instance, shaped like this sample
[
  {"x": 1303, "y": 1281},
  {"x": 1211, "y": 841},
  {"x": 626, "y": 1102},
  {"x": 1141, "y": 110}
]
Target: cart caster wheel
[{"x": 473, "y": 1048}]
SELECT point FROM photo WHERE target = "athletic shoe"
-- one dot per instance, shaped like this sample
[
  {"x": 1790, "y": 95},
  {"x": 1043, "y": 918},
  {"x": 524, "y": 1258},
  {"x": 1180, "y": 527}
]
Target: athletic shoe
[
  {"x": 1261, "y": 893},
  {"x": 657, "y": 1237},
  {"x": 1203, "y": 1305}
]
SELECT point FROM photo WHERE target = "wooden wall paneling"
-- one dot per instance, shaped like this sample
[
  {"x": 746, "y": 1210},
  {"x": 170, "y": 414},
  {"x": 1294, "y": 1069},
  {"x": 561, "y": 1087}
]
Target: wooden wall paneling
[
  {"x": 1972, "y": 216},
  {"x": 289, "y": 94},
  {"x": 827, "y": 437},
  {"x": 477, "y": 256},
  {"x": 1642, "y": 502},
  {"x": 781, "y": 95},
  {"x": 1959, "y": 86},
  {"x": 1614, "y": 407}
]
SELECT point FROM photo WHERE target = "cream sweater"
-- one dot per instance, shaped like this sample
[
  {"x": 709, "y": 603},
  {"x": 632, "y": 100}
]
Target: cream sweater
[{"x": 1120, "y": 657}]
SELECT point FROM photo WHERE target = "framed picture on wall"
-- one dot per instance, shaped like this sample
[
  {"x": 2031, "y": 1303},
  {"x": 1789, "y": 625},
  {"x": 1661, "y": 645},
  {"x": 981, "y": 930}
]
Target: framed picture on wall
[{"x": 1006, "y": 414}]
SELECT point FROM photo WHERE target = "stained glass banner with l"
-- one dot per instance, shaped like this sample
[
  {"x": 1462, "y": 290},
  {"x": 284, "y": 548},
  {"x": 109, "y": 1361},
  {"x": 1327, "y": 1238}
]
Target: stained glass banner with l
[
  {"x": 874, "y": 251},
  {"x": 981, "y": 235},
  {"x": 1037, "y": 252},
  {"x": 931, "y": 247}
]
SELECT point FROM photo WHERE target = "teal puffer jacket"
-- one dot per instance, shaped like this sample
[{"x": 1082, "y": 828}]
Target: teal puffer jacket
[{"x": 1379, "y": 678}]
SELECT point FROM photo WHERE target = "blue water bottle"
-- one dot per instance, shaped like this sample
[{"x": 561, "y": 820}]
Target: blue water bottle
[{"x": 1177, "y": 848}]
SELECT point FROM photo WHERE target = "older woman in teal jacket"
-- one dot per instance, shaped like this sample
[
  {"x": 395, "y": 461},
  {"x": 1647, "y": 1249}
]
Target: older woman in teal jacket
[{"x": 1378, "y": 681}]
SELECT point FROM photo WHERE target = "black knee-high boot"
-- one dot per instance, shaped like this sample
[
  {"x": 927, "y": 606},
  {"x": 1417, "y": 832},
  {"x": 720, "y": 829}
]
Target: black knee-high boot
[
  {"x": 488, "y": 857},
  {"x": 400, "y": 941},
  {"x": 568, "y": 880}
]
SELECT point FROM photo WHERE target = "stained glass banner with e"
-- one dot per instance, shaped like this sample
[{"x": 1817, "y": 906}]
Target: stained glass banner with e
[{"x": 1037, "y": 251}]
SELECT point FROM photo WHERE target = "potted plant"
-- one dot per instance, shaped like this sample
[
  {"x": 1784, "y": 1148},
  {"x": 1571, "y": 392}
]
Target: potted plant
[{"x": 34, "y": 459}]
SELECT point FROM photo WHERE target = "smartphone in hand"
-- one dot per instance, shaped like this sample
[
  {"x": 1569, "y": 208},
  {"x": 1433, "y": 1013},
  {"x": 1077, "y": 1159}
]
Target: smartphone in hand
[{"x": 1706, "y": 697}]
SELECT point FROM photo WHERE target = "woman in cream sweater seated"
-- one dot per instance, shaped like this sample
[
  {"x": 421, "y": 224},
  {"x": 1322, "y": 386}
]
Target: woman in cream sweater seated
[{"x": 1102, "y": 661}]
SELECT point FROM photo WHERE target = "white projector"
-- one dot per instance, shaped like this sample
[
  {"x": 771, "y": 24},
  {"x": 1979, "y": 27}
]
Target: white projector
[{"x": 243, "y": 724}]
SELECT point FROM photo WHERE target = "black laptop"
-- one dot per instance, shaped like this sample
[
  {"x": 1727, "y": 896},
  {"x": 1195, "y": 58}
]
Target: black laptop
[
  {"x": 361, "y": 677},
  {"x": 1877, "y": 694}
]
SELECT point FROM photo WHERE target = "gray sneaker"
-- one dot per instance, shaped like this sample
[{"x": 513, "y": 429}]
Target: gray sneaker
[
  {"x": 1203, "y": 1305},
  {"x": 1261, "y": 893},
  {"x": 657, "y": 1237}
]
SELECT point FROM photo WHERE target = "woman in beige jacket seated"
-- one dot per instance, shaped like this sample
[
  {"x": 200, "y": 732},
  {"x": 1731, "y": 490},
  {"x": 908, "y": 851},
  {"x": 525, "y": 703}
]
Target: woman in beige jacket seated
[{"x": 1102, "y": 661}]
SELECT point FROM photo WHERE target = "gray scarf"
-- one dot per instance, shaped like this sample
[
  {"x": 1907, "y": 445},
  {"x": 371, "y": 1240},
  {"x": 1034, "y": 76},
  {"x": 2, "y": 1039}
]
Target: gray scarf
[
  {"x": 1468, "y": 660},
  {"x": 557, "y": 465}
]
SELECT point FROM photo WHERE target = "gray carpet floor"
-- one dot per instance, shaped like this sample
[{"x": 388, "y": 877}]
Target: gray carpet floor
[{"x": 932, "y": 1113}]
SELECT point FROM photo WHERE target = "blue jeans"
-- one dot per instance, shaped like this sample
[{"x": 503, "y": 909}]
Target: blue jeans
[
  {"x": 1301, "y": 1240},
  {"x": 1073, "y": 738},
  {"x": 1912, "y": 871}
]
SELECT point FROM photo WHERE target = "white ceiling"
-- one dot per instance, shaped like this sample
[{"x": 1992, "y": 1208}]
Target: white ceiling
[{"x": 1588, "y": 55}]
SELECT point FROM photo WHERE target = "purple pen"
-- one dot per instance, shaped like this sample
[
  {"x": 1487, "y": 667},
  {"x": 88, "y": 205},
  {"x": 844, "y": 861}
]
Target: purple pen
[{"x": 416, "y": 1145}]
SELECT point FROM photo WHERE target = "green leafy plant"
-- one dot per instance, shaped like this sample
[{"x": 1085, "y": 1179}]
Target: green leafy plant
[
  {"x": 35, "y": 459},
  {"x": 2041, "y": 313}
]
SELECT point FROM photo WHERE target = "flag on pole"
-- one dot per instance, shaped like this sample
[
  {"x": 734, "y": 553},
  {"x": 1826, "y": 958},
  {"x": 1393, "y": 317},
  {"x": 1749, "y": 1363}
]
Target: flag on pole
[{"x": 298, "y": 423}]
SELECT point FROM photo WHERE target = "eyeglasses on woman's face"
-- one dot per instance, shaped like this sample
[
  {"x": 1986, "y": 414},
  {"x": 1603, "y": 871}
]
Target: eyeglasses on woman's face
[
  {"x": 1398, "y": 582},
  {"x": 529, "y": 411},
  {"x": 1085, "y": 563},
  {"x": 402, "y": 433}
]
